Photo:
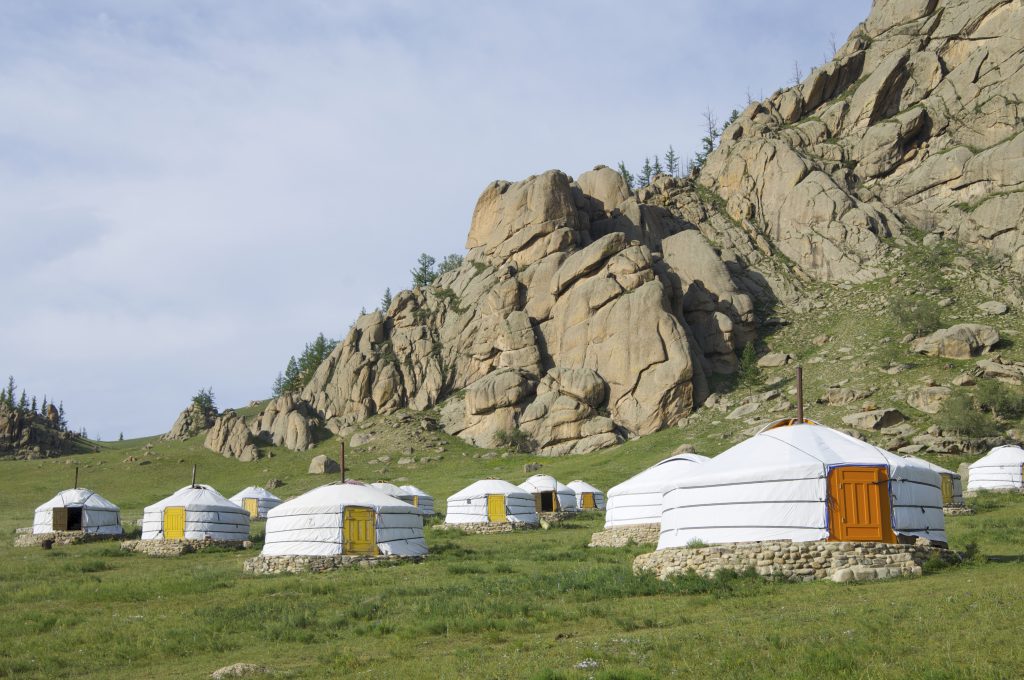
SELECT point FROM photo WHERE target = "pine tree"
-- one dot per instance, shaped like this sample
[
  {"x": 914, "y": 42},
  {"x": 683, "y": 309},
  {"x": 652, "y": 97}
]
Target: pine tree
[
  {"x": 449, "y": 263},
  {"x": 385, "y": 301},
  {"x": 33, "y": 406},
  {"x": 279, "y": 386},
  {"x": 43, "y": 411},
  {"x": 656, "y": 169},
  {"x": 23, "y": 402},
  {"x": 798, "y": 74},
  {"x": 9, "y": 393},
  {"x": 645, "y": 173},
  {"x": 424, "y": 273},
  {"x": 203, "y": 400},
  {"x": 708, "y": 142},
  {"x": 627, "y": 175},
  {"x": 671, "y": 162},
  {"x": 62, "y": 424},
  {"x": 291, "y": 376}
]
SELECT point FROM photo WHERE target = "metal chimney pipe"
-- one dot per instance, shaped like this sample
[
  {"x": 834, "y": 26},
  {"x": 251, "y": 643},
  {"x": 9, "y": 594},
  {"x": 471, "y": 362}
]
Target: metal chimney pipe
[
  {"x": 342, "y": 461},
  {"x": 193, "y": 476},
  {"x": 800, "y": 394},
  {"x": 76, "y": 476}
]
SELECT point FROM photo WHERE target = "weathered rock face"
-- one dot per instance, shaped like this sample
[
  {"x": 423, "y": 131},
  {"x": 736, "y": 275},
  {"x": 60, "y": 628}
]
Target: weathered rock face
[
  {"x": 580, "y": 315},
  {"x": 916, "y": 121},
  {"x": 288, "y": 422},
  {"x": 230, "y": 437},
  {"x": 190, "y": 422},
  {"x": 961, "y": 341},
  {"x": 30, "y": 435}
]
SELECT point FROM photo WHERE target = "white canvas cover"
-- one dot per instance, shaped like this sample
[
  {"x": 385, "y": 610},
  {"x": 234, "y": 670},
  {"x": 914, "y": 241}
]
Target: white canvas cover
[
  {"x": 393, "y": 491},
  {"x": 775, "y": 486},
  {"x": 638, "y": 499},
  {"x": 1000, "y": 468},
  {"x": 99, "y": 516},
  {"x": 265, "y": 501},
  {"x": 469, "y": 506},
  {"x": 546, "y": 483},
  {"x": 424, "y": 501},
  {"x": 958, "y": 488},
  {"x": 207, "y": 513},
  {"x": 580, "y": 487},
  {"x": 312, "y": 524}
]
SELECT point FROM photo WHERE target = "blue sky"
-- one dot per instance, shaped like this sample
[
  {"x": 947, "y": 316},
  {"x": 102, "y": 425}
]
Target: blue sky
[{"x": 189, "y": 192}]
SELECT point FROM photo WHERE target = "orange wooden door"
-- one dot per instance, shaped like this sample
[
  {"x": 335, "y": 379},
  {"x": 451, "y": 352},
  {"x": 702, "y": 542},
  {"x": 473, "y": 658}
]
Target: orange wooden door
[{"x": 859, "y": 505}]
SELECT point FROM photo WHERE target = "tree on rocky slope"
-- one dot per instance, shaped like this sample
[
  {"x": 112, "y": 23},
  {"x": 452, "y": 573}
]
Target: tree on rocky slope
[{"x": 424, "y": 272}]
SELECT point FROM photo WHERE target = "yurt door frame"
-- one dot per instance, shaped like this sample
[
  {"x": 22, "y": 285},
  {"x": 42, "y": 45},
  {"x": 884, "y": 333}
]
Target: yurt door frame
[
  {"x": 359, "y": 532},
  {"x": 496, "y": 508},
  {"x": 252, "y": 505},
  {"x": 546, "y": 501},
  {"x": 174, "y": 522},
  {"x": 858, "y": 504},
  {"x": 67, "y": 519},
  {"x": 947, "y": 489},
  {"x": 587, "y": 500}
]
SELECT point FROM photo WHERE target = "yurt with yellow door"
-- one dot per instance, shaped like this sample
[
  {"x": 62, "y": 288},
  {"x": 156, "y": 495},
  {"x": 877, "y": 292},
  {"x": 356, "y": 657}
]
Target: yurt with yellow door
[
  {"x": 801, "y": 481},
  {"x": 344, "y": 518},
  {"x": 492, "y": 501},
  {"x": 257, "y": 500},
  {"x": 1001, "y": 469},
  {"x": 420, "y": 499},
  {"x": 952, "y": 485},
  {"x": 549, "y": 494},
  {"x": 78, "y": 510},
  {"x": 588, "y": 497},
  {"x": 195, "y": 512}
]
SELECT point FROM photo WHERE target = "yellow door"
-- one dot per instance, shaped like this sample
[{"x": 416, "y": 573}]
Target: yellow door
[
  {"x": 947, "y": 489},
  {"x": 252, "y": 505},
  {"x": 174, "y": 523},
  {"x": 359, "y": 532},
  {"x": 859, "y": 505},
  {"x": 587, "y": 500},
  {"x": 496, "y": 508},
  {"x": 415, "y": 501}
]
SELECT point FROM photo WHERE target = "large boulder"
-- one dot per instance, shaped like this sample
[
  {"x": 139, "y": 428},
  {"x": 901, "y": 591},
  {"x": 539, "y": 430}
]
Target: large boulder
[
  {"x": 230, "y": 437},
  {"x": 322, "y": 465},
  {"x": 194, "y": 419},
  {"x": 961, "y": 341},
  {"x": 288, "y": 422}
]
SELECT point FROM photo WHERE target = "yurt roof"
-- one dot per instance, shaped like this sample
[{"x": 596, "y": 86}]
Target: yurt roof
[
  {"x": 414, "y": 491},
  {"x": 390, "y": 489},
  {"x": 660, "y": 475},
  {"x": 78, "y": 498},
  {"x": 490, "y": 486},
  {"x": 198, "y": 497},
  {"x": 1001, "y": 455},
  {"x": 254, "y": 492},
  {"x": 580, "y": 485},
  {"x": 931, "y": 466},
  {"x": 789, "y": 452},
  {"x": 329, "y": 497}
]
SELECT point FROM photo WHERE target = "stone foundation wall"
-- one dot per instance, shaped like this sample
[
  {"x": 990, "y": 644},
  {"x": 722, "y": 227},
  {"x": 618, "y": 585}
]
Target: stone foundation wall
[
  {"x": 619, "y": 537},
  {"x": 26, "y": 539},
  {"x": 298, "y": 564},
  {"x": 556, "y": 517},
  {"x": 803, "y": 561},
  {"x": 954, "y": 510},
  {"x": 485, "y": 527},
  {"x": 162, "y": 548}
]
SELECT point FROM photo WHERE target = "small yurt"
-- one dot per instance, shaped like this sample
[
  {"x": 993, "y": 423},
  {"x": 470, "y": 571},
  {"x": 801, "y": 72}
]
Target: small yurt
[
  {"x": 257, "y": 500},
  {"x": 345, "y": 518},
  {"x": 802, "y": 481},
  {"x": 78, "y": 510},
  {"x": 549, "y": 494},
  {"x": 638, "y": 499},
  {"x": 195, "y": 512},
  {"x": 491, "y": 501},
  {"x": 420, "y": 499},
  {"x": 393, "y": 491},
  {"x": 952, "y": 486},
  {"x": 1000, "y": 469},
  {"x": 587, "y": 497}
]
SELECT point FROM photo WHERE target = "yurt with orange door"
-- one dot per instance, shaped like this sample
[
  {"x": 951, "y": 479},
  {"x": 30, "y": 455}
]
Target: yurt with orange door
[
  {"x": 952, "y": 485},
  {"x": 801, "y": 481}
]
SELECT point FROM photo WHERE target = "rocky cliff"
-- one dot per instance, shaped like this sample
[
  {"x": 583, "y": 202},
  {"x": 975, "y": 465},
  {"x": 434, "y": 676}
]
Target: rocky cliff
[{"x": 24, "y": 434}]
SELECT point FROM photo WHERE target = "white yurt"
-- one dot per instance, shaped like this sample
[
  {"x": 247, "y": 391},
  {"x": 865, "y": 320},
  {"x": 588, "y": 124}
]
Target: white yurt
[
  {"x": 195, "y": 512},
  {"x": 78, "y": 510},
  {"x": 803, "y": 482},
  {"x": 999, "y": 469},
  {"x": 257, "y": 500},
  {"x": 638, "y": 499},
  {"x": 491, "y": 500},
  {"x": 549, "y": 494},
  {"x": 952, "y": 485},
  {"x": 393, "y": 491},
  {"x": 420, "y": 499},
  {"x": 588, "y": 497},
  {"x": 345, "y": 518}
]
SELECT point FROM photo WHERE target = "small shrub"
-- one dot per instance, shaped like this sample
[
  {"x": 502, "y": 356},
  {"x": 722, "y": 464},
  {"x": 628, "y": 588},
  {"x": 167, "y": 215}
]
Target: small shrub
[
  {"x": 515, "y": 440},
  {"x": 999, "y": 400},
  {"x": 749, "y": 374},
  {"x": 918, "y": 316},
  {"x": 695, "y": 543},
  {"x": 959, "y": 415},
  {"x": 203, "y": 400}
]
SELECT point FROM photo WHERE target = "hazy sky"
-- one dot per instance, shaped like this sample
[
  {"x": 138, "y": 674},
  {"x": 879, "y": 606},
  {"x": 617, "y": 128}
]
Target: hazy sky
[{"x": 190, "y": 192}]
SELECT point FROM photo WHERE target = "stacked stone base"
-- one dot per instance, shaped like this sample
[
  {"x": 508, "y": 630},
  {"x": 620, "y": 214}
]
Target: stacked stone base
[
  {"x": 300, "y": 564},
  {"x": 162, "y": 548},
  {"x": 26, "y": 539},
  {"x": 620, "y": 537},
  {"x": 486, "y": 527},
  {"x": 802, "y": 561},
  {"x": 955, "y": 510},
  {"x": 556, "y": 517}
]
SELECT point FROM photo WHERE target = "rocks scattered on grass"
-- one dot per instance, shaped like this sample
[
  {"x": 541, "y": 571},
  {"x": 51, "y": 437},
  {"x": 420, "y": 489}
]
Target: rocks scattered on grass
[
  {"x": 322, "y": 465},
  {"x": 961, "y": 341},
  {"x": 240, "y": 670},
  {"x": 874, "y": 420}
]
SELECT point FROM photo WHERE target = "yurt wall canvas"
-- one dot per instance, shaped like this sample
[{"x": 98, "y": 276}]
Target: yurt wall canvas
[
  {"x": 952, "y": 485},
  {"x": 195, "y": 513},
  {"x": 78, "y": 510},
  {"x": 1001, "y": 469},
  {"x": 638, "y": 499}
]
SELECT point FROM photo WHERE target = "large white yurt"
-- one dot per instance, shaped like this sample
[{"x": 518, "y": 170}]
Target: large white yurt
[
  {"x": 257, "y": 500},
  {"x": 803, "y": 481},
  {"x": 999, "y": 469},
  {"x": 549, "y": 494},
  {"x": 345, "y": 518},
  {"x": 588, "y": 497},
  {"x": 78, "y": 510},
  {"x": 952, "y": 485},
  {"x": 393, "y": 491},
  {"x": 638, "y": 499},
  {"x": 491, "y": 500},
  {"x": 420, "y": 499},
  {"x": 195, "y": 512}
]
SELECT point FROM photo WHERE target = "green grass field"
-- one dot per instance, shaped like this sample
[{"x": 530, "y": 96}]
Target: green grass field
[{"x": 531, "y": 604}]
